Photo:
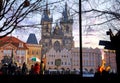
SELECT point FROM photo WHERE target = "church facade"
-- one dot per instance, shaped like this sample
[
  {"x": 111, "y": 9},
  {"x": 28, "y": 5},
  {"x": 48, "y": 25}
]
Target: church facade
[{"x": 57, "y": 41}]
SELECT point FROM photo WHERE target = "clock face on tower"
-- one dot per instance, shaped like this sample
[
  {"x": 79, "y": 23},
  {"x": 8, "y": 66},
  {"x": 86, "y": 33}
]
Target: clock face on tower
[{"x": 57, "y": 45}]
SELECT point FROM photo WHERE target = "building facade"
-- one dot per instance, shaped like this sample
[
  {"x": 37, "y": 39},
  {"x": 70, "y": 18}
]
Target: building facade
[
  {"x": 57, "y": 41},
  {"x": 110, "y": 59},
  {"x": 92, "y": 58},
  {"x": 75, "y": 58},
  {"x": 58, "y": 60},
  {"x": 13, "y": 47},
  {"x": 34, "y": 49}
]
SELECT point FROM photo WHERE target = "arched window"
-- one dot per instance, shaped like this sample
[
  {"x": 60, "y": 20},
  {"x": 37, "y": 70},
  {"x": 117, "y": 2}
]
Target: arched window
[
  {"x": 47, "y": 28},
  {"x": 67, "y": 29},
  {"x": 57, "y": 46}
]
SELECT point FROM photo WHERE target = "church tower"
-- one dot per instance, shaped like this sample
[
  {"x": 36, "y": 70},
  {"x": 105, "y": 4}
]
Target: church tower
[
  {"x": 58, "y": 37},
  {"x": 66, "y": 23},
  {"x": 57, "y": 41},
  {"x": 46, "y": 23}
]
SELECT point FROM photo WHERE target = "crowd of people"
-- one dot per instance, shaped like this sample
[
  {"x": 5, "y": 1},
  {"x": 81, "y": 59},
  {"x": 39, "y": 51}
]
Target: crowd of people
[{"x": 13, "y": 69}]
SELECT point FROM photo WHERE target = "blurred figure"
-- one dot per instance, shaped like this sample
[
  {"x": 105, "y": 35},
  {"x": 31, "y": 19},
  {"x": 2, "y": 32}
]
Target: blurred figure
[
  {"x": 24, "y": 69},
  {"x": 4, "y": 69},
  {"x": 108, "y": 68},
  {"x": 42, "y": 67},
  {"x": 37, "y": 68},
  {"x": 31, "y": 72}
]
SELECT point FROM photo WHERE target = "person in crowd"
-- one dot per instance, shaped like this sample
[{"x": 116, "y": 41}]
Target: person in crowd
[
  {"x": 24, "y": 69},
  {"x": 4, "y": 69},
  {"x": 12, "y": 68},
  {"x": 37, "y": 69},
  {"x": 18, "y": 70},
  {"x": 42, "y": 67},
  {"x": 31, "y": 72}
]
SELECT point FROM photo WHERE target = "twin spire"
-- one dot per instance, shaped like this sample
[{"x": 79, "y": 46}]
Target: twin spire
[{"x": 65, "y": 14}]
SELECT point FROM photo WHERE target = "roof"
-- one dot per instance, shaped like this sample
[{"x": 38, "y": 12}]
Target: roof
[
  {"x": 10, "y": 39},
  {"x": 13, "y": 40},
  {"x": 32, "y": 39}
]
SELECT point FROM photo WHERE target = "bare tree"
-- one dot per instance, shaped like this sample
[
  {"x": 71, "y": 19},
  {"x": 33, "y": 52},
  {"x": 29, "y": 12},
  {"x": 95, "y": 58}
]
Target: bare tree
[
  {"x": 13, "y": 12},
  {"x": 106, "y": 14}
]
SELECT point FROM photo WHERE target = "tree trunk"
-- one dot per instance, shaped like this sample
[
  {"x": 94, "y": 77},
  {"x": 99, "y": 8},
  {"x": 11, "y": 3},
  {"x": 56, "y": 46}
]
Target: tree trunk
[{"x": 118, "y": 61}]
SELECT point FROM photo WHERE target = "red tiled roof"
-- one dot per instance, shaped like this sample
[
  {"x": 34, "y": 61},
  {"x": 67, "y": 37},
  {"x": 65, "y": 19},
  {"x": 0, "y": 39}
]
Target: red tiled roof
[{"x": 13, "y": 40}]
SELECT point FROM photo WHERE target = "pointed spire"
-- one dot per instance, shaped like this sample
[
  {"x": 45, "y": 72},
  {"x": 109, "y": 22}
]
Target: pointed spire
[
  {"x": 66, "y": 6},
  {"x": 47, "y": 10},
  {"x": 46, "y": 5},
  {"x": 66, "y": 15},
  {"x": 46, "y": 14},
  {"x": 32, "y": 39}
]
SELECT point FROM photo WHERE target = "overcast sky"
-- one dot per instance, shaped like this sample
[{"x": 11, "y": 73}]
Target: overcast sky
[
  {"x": 92, "y": 34},
  {"x": 23, "y": 34}
]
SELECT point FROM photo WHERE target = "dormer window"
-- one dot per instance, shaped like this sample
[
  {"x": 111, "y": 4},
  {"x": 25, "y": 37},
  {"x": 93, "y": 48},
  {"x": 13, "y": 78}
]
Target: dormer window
[{"x": 20, "y": 44}]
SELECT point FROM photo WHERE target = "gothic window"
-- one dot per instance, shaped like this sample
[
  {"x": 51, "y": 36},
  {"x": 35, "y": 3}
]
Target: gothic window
[
  {"x": 55, "y": 31},
  {"x": 67, "y": 29},
  {"x": 57, "y": 46},
  {"x": 45, "y": 44},
  {"x": 47, "y": 28}
]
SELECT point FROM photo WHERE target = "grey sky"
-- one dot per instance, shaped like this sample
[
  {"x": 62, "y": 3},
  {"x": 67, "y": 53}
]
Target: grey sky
[{"x": 56, "y": 13}]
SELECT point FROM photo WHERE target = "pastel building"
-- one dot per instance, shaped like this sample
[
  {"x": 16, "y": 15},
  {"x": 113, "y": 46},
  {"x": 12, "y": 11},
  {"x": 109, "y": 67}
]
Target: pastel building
[
  {"x": 60, "y": 60},
  {"x": 34, "y": 49},
  {"x": 91, "y": 59},
  {"x": 75, "y": 58},
  {"x": 110, "y": 59},
  {"x": 12, "y": 46}
]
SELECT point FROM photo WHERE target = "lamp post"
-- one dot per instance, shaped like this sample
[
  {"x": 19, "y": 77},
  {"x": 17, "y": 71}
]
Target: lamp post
[{"x": 80, "y": 30}]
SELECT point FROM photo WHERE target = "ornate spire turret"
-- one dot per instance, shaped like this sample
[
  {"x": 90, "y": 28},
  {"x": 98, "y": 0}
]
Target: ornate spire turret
[
  {"x": 66, "y": 15},
  {"x": 46, "y": 14}
]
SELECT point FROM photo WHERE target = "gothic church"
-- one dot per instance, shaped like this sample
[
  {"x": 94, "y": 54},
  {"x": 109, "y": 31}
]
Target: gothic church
[{"x": 57, "y": 41}]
